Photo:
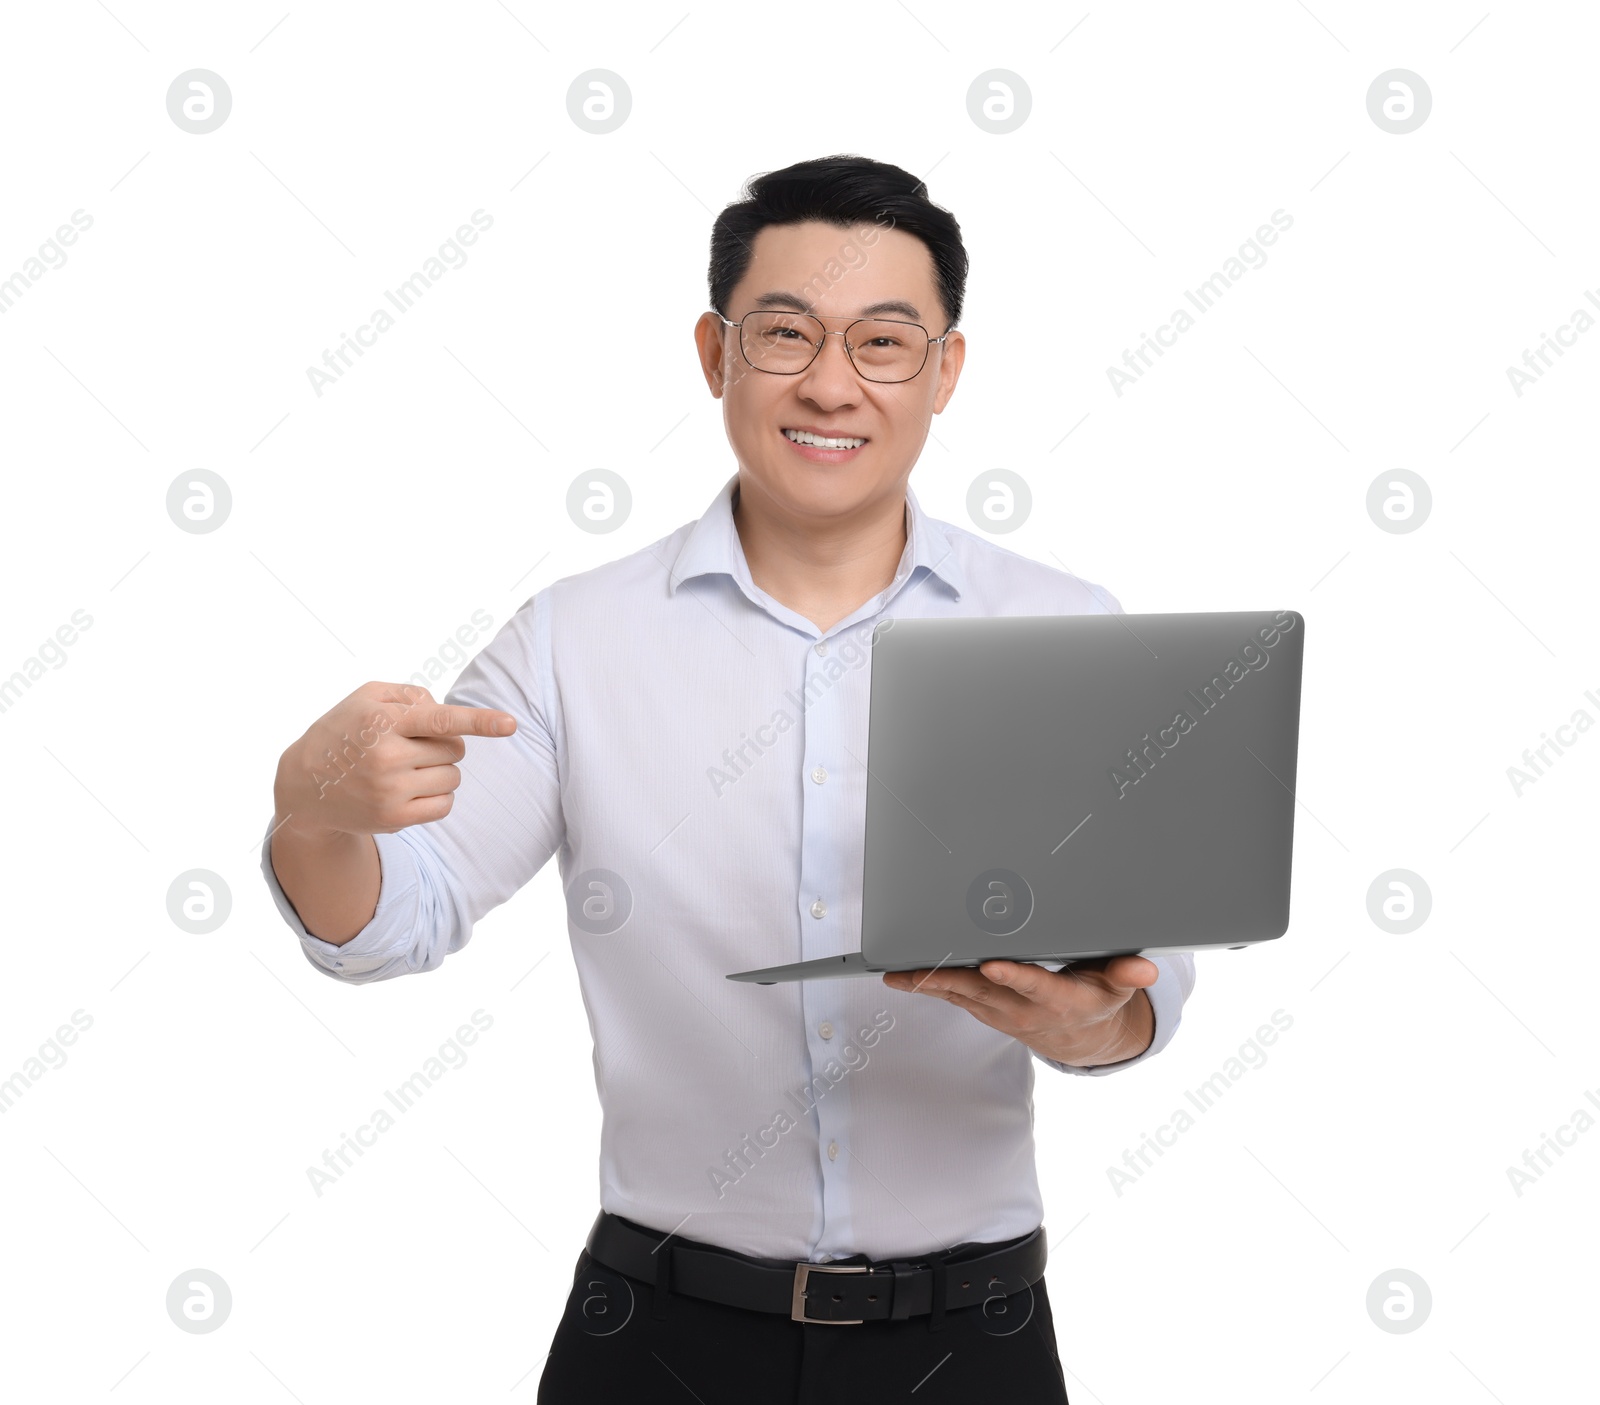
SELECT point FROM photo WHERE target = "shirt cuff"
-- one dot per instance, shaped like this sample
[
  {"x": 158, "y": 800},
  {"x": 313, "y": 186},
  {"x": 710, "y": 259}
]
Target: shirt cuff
[
  {"x": 1166, "y": 1004},
  {"x": 388, "y": 933}
]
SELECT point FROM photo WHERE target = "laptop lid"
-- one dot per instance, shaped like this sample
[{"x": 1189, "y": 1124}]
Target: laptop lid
[{"x": 1079, "y": 785}]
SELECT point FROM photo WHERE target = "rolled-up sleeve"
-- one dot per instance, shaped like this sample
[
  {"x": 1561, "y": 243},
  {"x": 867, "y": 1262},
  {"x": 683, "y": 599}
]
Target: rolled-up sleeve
[
  {"x": 386, "y": 937},
  {"x": 505, "y": 822},
  {"x": 1171, "y": 989}
]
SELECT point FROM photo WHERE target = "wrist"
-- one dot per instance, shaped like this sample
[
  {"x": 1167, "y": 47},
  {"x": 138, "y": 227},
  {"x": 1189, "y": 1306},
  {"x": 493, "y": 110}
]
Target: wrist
[
  {"x": 1132, "y": 1032},
  {"x": 299, "y": 826}
]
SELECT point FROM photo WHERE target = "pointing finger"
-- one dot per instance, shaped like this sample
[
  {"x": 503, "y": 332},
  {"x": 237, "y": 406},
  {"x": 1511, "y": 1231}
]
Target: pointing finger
[{"x": 454, "y": 720}]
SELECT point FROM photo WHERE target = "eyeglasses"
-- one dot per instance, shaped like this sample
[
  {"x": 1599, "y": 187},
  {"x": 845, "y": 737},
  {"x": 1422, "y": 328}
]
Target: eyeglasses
[{"x": 880, "y": 349}]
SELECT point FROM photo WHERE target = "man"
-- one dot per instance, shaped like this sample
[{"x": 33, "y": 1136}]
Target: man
[{"x": 687, "y": 727}]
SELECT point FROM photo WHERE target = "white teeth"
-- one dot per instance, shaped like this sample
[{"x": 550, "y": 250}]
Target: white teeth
[{"x": 804, "y": 436}]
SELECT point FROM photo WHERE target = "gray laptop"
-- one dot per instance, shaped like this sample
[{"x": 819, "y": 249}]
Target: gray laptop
[{"x": 1059, "y": 788}]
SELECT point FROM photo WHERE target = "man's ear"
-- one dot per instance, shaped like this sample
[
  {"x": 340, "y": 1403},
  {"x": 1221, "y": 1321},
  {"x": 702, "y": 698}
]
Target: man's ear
[
  {"x": 950, "y": 363},
  {"x": 708, "y": 346}
]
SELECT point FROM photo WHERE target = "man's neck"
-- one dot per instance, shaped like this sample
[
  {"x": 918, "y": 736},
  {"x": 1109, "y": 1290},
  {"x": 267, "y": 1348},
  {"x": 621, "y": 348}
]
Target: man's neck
[{"x": 823, "y": 575}]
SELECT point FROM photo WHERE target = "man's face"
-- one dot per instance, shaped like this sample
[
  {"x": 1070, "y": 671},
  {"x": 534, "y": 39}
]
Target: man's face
[{"x": 835, "y": 274}]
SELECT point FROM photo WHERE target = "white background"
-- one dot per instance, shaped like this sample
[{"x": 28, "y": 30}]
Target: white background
[{"x": 429, "y": 482}]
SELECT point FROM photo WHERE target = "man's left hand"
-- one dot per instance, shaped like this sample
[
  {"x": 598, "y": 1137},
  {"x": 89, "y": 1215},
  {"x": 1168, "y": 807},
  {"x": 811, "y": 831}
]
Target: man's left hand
[{"x": 1090, "y": 1013}]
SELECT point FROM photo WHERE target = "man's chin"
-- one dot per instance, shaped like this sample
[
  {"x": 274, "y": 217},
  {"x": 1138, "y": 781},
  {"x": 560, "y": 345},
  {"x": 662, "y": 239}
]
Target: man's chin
[{"x": 819, "y": 489}]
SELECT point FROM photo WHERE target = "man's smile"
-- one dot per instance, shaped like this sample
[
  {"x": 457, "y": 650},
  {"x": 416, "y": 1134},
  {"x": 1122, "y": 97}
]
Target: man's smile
[{"x": 823, "y": 448}]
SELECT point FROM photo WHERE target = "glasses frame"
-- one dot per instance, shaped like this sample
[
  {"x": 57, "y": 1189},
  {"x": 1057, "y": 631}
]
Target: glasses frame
[{"x": 822, "y": 341}]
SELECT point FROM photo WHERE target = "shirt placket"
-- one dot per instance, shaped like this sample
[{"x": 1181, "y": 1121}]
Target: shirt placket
[{"x": 821, "y": 905}]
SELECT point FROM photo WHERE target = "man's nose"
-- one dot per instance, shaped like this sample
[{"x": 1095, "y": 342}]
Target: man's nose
[{"x": 831, "y": 376}]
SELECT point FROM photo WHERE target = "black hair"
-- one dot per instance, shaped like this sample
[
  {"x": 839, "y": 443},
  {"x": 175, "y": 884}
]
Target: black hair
[{"x": 842, "y": 190}]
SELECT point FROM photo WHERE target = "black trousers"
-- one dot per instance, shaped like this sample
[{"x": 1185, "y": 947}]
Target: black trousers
[{"x": 609, "y": 1346}]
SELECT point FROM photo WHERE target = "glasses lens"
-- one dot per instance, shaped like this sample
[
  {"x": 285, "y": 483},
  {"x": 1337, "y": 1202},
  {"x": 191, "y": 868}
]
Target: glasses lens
[
  {"x": 780, "y": 342},
  {"x": 887, "y": 351}
]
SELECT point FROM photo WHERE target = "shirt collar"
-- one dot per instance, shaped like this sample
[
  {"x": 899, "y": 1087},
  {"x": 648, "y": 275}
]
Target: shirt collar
[{"x": 713, "y": 547}]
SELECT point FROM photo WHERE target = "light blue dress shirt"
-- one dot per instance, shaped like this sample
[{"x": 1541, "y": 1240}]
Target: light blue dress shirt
[{"x": 687, "y": 745}]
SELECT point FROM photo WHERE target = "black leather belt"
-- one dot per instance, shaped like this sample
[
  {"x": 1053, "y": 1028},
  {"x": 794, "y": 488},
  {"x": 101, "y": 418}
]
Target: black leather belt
[{"x": 844, "y": 1292}]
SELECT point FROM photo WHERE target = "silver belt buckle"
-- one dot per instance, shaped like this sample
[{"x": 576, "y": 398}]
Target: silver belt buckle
[{"x": 797, "y": 1308}]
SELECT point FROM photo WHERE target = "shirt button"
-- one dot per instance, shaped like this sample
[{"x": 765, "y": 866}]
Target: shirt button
[
  {"x": 833, "y": 1150},
  {"x": 825, "y": 1030},
  {"x": 821, "y": 646},
  {"x": 819, "y": 775},
  {"x": 819, "y": 908}
]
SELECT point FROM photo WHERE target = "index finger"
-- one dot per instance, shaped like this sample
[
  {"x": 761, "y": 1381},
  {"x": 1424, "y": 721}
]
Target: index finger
[{"x": 454, "y": 720}]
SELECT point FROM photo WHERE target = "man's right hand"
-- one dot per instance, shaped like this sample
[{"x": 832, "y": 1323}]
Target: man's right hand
[{"x": 379, "y": 761}]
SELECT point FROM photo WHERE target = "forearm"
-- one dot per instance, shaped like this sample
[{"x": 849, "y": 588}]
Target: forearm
[{"x": 333, "y": 880}]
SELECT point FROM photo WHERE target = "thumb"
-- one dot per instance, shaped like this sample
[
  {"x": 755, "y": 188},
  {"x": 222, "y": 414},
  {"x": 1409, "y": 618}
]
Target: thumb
[{"x": 1118, "y": 975}]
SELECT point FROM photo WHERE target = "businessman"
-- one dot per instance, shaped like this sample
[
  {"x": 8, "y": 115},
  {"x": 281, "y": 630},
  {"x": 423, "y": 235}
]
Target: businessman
[{"x": 806, "y": 1189}]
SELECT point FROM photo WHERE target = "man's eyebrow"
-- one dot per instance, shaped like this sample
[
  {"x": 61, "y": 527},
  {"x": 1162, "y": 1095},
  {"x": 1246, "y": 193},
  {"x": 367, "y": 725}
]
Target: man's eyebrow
[{"x": 798, "y": 304}]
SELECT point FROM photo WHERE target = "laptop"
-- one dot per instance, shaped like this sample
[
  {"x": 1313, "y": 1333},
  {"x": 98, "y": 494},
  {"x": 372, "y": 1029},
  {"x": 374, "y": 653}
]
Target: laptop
[{"x": 1060, "y": 788}]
